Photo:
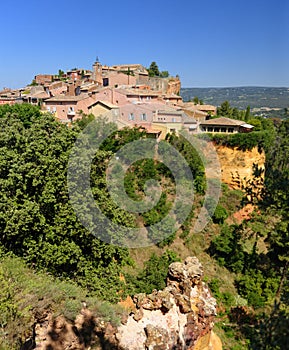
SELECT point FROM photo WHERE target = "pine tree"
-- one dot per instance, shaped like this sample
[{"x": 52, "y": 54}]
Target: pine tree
[
  {"x": 247, "y": 114},
  {"x": 153, "y": 70}
]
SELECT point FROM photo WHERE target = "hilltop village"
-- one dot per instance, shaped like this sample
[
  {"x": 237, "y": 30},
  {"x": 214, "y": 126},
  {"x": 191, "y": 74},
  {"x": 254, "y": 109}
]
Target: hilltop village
[{"x": 128, "y": 95}]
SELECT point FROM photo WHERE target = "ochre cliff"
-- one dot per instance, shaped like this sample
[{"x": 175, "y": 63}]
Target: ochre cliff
[
  {"x": 237, "y": 165},
  {"x": 179, "y": 317},
  {"x": 174, "y": 86}
]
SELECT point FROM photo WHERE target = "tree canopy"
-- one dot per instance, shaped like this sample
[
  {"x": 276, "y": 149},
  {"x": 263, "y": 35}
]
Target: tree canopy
[
  {"x": 154, "y": 71},
  {"x": 37, "y": 221}
]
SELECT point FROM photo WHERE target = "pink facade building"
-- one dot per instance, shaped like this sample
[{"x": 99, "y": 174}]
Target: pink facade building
[{"x": 67, "y": 108}]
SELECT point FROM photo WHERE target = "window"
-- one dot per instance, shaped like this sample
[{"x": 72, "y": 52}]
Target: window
[
  {"x": 143, "y": 116},
  {"x": 131, "y": 116},
  {"x": 174, "y": 120}
]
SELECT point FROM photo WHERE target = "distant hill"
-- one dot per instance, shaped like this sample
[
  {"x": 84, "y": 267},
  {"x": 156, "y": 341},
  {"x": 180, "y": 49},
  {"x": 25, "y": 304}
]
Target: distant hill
[{"x": 241, "y": 97}]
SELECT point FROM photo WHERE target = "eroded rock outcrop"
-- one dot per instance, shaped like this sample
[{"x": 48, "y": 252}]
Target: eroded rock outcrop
[
  {"x": 174, "y": 318},
  {"x": 179, "y": 317}
]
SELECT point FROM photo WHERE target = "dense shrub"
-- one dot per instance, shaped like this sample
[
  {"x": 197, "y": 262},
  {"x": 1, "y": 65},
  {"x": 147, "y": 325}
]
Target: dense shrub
[
  {"x": 153, "y": 276},
  {"x": 220, "y": 215}
]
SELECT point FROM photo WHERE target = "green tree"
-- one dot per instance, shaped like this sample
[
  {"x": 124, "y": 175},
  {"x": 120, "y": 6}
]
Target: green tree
[
  {"x": 247, "y": 114},
  {"x": 37, "y": 221},
  {"x": 193, "y": 160},
  {"x": 220, "y": 214},
  {"x": 153, "y": 70},
  {"x": 225, "y": 110},
  {"x": 197, "y": 101},
  {"x": 236, "y": 114},
  {"x": 276, "y": 196},
  {"x": 25, "y": 113},
  {"x": 164, "y": 74},
  {"x": 227, "y": 248},
  {"x": 256, "y": 123}
]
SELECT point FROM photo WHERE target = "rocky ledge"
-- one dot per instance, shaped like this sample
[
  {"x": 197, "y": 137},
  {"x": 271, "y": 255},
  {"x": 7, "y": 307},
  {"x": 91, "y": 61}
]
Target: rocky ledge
[{"x": 179, "y": 317}]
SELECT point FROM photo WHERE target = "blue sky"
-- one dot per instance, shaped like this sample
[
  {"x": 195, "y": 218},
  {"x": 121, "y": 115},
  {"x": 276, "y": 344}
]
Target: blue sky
[{"x": 208, "y": 43}]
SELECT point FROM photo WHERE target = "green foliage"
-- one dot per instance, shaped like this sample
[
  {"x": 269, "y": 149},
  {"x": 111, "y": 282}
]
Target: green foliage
[
  {"x": 84, "y": 120},
  {"x": 277, "y": 173},
  {"x": 256, "y": 287},
  {"x": 164, "y": 74},
  {"x": 154, "y": 274},
  {"x": 247, "y": 114},
  {"x": 37, "y": 221},
  {"x": 220, "y": 214},
  {"x": 256, "y": 123},
  {"x": 192, "y": 158},
  {"x": 262, "y": 274},
  {"x": 231, "y": 199},
  {"x": 121, "y": 137},
  {"x": 225, "y": 110},
  {"x": 153, "y": 70},
  {"x": 224, "y": 298},
  {"x": 33, "y": 83},
  {"x": 271, "y": 331},
  {"x": 268, "y": 281},
  {"x": 244, "y": 141},
  {"x": 227, "y": 248},
  {"x": 25, "y": 113}
]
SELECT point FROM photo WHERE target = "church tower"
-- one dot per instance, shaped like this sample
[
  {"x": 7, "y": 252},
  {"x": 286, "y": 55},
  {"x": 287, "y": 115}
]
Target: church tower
[{"x": 97, "y": 72}]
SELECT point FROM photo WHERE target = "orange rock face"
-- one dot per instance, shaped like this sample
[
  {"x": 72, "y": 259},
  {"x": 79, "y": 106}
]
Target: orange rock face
[
  {"x": 174, "y": 86},
  {"x": 237, "y": 165}
]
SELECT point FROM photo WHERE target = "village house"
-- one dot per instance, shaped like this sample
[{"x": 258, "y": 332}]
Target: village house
[
  {"x": 10, "y": 97},
  {"x": 224, "y": 125},
  {"x": 105, "y": 109},
  {"x": 67, "y": 108},
  {"x": 209, "y": 109},
  {"x": 129, "y": 74},
  {"x": 196, "y": 114},
  {"x": 121, "y": 96},
  {"x": 172, "y": 99},
  {"x": 190, "y": 124},
  {"x": 199, "y": 112},
  {"x": 205, "y": 108},
  {"x": 140, "y": 113},
  {"x": 173, "y": 120},
  {"x": 42, "y": 79},
  {"x": 74, "y": 74},
  {"x": 56, "y": 88},
  {"x": 35, "y": 98}
]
